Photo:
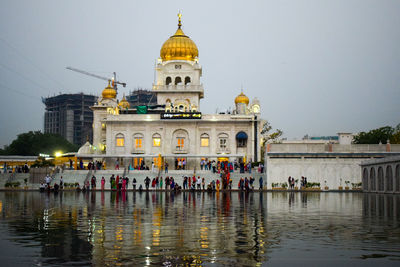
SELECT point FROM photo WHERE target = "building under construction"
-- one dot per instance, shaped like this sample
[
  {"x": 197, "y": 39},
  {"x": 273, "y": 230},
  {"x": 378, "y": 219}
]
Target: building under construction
[
  {"x": 141, "y": 97},
  {"x": 70, "y": 116}
]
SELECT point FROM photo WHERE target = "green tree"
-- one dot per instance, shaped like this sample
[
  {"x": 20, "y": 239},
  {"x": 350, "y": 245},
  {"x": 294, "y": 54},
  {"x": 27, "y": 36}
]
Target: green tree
[
  {"x": 33, "y": 143},
  {"x": 395, "y": 138},
  {"x": 375, "y": 136},
  {"x": 269, "y": 136}
]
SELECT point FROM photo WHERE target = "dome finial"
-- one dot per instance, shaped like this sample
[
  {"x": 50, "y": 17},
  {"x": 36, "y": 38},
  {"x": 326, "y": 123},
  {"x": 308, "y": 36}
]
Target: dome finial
[{"x": 179, "y": 19}]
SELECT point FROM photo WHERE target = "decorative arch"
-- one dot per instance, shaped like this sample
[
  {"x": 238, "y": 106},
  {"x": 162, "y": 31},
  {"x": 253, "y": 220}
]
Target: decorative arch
[
  {"x": 365, "y": 179},
  {"x": 389, "y": 178},
  {"x": 380, "y": 180},
  {"x": 168, "y": 80},
  {"x": 372, "y": 179}
]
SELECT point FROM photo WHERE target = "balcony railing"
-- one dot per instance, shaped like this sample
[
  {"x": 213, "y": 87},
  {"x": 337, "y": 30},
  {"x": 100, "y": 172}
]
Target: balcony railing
[
  {"x": 180, "y": 150},
  {"x": 138, "y": 151},
  {"x": 183, "y": 87}
]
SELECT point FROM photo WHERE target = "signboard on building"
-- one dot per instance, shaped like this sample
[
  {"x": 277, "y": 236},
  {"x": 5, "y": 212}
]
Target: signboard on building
[{"x": 180, "y": 115}]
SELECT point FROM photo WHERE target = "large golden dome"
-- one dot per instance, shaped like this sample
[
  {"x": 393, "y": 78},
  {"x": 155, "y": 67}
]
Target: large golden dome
[
  {"x": 179, "y": 46},
  {"x": 242, "y": 98},
  {"x": 109, "y": 91}
]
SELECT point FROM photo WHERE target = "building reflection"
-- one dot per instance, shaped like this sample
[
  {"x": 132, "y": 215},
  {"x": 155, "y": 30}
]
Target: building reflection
[{"x": 231, "y": 228}]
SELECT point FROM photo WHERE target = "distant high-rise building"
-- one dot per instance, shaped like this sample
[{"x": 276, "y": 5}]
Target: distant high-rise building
[
  {"x": 141, "y": 97},
  {"x": 70, "y": 116}
]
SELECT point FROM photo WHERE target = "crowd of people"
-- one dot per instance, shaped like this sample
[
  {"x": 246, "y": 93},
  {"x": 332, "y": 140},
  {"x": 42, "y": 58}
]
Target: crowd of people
[{"x": 194, "y": 183}]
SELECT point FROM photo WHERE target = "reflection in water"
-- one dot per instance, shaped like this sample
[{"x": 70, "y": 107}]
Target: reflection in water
[{"x": 226, "y": 228}]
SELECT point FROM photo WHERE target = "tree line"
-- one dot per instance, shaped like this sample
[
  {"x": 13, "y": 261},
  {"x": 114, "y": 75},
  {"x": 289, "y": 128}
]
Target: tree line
[{"x": 35, "y": 142}]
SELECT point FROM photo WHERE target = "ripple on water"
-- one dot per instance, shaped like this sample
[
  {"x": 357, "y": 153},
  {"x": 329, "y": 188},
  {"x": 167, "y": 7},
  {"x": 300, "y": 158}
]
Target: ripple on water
[{"x": 228, "y": 229}]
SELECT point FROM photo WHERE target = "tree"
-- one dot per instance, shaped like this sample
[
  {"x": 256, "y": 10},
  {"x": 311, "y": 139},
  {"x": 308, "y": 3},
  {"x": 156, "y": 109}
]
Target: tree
[
  {"x": 34, "y": 143},
  {"x": 379, "y": 135},
  {"x": 395, "y": 138},
  {"x": 268, "y": 136}
]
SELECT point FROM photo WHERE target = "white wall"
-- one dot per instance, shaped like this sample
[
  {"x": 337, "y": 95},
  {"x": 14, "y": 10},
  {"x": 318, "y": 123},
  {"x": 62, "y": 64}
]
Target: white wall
[{"x": 315, "y": 169}]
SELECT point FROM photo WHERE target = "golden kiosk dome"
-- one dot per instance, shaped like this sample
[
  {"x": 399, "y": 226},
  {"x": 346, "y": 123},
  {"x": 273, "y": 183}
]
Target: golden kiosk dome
[
  {"x": 124, "y": 104},
  {"x": 179, "y": 46},
  {"x": 242, "y": 98},
  {"x": 109, "y": 91}
]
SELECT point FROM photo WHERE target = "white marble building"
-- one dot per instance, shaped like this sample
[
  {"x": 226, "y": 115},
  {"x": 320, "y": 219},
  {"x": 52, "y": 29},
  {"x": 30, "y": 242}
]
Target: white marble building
[{"x": 175, "y": 130}]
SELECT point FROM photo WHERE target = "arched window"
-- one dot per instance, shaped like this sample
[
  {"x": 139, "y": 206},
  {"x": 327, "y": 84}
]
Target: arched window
[
  {"x": 365, "y": 179},
  {"x": 180, "y": 141},
  {"x": 204, "y": 140},
  {"x": 372, "y": 179},
  {"x": 187, "y": 80},
  {"x": 156, "y": 139},
  {"x": 398, "y": 178},
  {"x": 380, "y": 179},
  {"x": 241, "y": 139},
  {"x": 138, "y": 140},
  {"x": 119, "y": 140},
  {"x": 168, "y": 81},
  {"x": 223, "y": 141},
  {"x": 178, "y": 80},
  {"x": 389, "y": 178}
]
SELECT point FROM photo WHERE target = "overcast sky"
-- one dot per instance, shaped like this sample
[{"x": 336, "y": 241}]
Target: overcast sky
[{"x": 318, "y": 67}]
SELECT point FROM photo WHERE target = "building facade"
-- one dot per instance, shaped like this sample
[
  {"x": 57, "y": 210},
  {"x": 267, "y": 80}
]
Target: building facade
[
  {"x": 70, "y": 116},
  {"x": 175, "y": 129}
]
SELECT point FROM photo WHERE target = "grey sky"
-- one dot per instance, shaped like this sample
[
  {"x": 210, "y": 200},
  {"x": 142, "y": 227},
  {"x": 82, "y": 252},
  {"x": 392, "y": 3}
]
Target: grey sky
[{"x": 318, "y": 67}]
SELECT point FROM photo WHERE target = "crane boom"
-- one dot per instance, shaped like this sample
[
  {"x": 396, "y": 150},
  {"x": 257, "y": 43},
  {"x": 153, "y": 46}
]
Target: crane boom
[{"x": 97, "y": 76}]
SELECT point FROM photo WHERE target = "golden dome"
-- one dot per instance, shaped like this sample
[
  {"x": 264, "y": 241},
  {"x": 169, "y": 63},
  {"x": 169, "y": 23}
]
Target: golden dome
[
  {"x": 109, "y": 91},
  {"x": 179, "y": 46},
  {"x": 242, "y": 98},
  {"x": 124, "y": 103}
]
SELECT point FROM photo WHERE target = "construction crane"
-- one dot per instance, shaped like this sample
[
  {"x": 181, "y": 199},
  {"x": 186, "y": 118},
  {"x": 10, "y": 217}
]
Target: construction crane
[{"x": 114, "y": 79}]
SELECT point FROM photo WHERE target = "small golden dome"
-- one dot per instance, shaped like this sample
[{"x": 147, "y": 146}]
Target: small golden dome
[
  {"x": 124, "y": 104},
  {"x": 179, "y": 46},
  {"x": 109, "y": 91},
  {"x": 242, "y": 98}
]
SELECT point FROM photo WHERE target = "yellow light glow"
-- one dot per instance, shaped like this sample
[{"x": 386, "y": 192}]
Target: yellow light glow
[
  {"x": 204, "y": 141},
  {"x": 138, "y": 142},
  {"x": 58, "y": 154},
  {"x": 120, "y": 141},
  {"x": 156, "y": 141}
]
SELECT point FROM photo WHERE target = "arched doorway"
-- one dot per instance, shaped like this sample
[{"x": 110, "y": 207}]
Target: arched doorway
[
  {"x": 389, "y": 179},
  {"x": 398, "y": 178},
  {"x": 365, "y": 179},
  {"x": 372, "y": 179},
  {"x": 381, "y": 187}
]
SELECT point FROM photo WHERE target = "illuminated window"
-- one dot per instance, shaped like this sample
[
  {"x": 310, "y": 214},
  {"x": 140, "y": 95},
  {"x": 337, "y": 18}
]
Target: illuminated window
[
  {"x": 157, "y": 141},
  {"x": 204, "y": 140},
  {"x": 181, "y": 142},
  {"x": 120, "y": 140},
  {"x": 138, "y": 142}
]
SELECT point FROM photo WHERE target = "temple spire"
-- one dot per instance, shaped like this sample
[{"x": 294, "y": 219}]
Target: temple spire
[{"x": 179, "y": 19}]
